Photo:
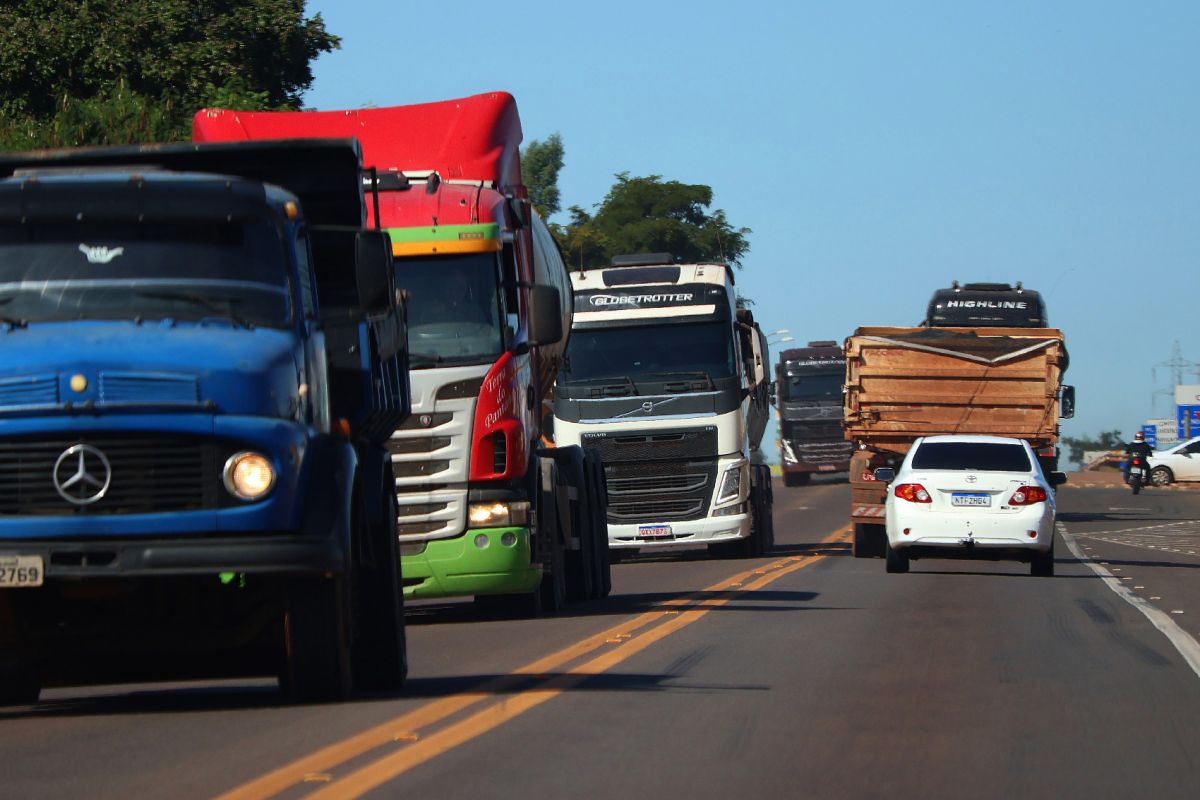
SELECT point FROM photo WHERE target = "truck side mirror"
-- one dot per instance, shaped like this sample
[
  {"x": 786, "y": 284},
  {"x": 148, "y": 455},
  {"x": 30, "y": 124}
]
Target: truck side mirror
[
  {"x": 373, "y": 271},
  {"x": 1056, "y": 479},
  {"x": 1066, "y": 407},
  {"x": 545, "y": 315},
  {"x": 885, "y": 474}
]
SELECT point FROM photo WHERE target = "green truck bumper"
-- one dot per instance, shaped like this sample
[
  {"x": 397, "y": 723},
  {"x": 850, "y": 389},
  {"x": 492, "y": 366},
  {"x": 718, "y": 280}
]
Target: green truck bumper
[{"x": 458, "y": 566}]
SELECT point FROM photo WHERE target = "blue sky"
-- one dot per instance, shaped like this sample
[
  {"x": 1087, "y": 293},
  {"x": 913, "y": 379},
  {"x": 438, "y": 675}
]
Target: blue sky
[{"x": 878, "y": 150}]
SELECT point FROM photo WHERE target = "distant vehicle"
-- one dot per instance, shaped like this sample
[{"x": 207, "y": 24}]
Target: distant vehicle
[
  {"x": 808, "y": 397},
  {"x": 1180, "y": 463},
  {"x": 903, "y": 383},
  {"x": 992, "y": 305},
  {"x": 969, "y": 497}
]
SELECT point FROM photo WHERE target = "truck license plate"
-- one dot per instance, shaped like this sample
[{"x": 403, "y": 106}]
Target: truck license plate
[
  {"x": 21, "y": 571},
  {"x": 654, "y": 531},
  {"x": 972, "y": 499},
  {"x": 825, "y": 468}
]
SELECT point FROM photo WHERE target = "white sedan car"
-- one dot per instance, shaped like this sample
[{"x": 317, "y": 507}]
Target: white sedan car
[
  {"x": 982, "y": 497},
  {"x": 1179, "y": 463}
]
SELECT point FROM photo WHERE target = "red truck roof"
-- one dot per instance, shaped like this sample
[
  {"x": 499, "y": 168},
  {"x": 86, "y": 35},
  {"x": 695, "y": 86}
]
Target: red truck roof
[{"x": 471, "y": 138}]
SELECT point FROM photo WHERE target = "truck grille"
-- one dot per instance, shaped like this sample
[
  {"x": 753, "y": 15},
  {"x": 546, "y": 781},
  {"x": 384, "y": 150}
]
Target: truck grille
[
  {"x": 659, "y": 491},
  {"x": 658, "y": 445},
  {"x": 149, "y": 474}
]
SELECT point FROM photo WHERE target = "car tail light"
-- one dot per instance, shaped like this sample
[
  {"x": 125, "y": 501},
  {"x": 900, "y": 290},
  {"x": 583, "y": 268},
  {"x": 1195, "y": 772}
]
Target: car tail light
[
  {"x": 913, "y": 493},
  {"x": 1027, "y": 496}
]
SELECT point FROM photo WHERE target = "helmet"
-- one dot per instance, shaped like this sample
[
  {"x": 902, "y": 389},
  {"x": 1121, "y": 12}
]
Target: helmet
[{"x": 1139, "y": 437}]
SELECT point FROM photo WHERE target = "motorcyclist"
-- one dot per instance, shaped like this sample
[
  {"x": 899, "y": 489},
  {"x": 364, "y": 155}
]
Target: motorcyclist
[{"x": 1137, "y": 447}]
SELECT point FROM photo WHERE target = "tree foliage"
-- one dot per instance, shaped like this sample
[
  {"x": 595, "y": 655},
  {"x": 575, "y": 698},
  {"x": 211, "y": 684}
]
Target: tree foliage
[
  {"x": 648, "y": 214},
  {"x": 118, "y": 71},
  {"x": 1107, "y": 440},
  {"x": 540, "y": 164}
]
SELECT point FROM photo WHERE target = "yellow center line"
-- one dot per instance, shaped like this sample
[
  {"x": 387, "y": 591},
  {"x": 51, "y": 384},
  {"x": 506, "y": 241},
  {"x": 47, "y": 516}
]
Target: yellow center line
[
  {"x": 400, "y": 728},
  {"x": 389, "y": 767}
]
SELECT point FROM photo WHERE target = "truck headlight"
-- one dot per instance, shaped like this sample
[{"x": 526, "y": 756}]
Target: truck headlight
[
  {"x": 249, "y": 476},
  {"x": 731, "y": 484},
  {"x": 497, "y": 514}
]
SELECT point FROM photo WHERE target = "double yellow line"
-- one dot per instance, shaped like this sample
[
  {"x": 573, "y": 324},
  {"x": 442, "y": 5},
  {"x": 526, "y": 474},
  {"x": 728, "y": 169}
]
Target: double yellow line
[{"x": 526, "y": 688}]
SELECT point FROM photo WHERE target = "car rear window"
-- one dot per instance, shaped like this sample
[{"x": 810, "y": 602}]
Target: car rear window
[{"x": 979, "y": 456}]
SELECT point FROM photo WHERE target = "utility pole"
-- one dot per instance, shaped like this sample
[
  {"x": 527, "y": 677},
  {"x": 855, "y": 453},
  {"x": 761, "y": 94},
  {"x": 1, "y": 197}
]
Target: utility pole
[{"x": 1176, "y": 363}]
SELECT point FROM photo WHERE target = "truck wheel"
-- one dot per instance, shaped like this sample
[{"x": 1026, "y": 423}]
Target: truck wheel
[
  {"x": 598, "y": 509},
  {"x": 379, "y": 654},
  {"x": 793, "y": 479},
  {"x": 768, "y": 515},
  {"x": 573, "y": 473},
  {"x": 870, "y": 541},
  {"x": 316, "y": 633},
  {"x": 897, "y": 560},
  {"x": 19, "y": 684}
]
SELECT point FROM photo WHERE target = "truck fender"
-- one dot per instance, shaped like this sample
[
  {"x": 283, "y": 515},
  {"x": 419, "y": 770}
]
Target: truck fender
[{"x": 329, "y": 497}]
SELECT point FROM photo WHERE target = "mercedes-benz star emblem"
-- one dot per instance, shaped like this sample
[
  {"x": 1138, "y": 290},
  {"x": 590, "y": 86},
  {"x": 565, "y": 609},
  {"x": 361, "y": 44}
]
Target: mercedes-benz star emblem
[{"x": 82, "y": 474}]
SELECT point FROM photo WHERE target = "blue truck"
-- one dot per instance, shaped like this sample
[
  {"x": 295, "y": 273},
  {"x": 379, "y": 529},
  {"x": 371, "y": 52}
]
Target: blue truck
[{"x": 203, "y": 355}]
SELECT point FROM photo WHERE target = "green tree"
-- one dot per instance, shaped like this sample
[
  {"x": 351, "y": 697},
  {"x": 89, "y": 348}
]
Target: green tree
[
  {"x": 1107, "y": 440},
  {"x": 118, "y": 71},
  {"x": 540, "y": 164},
  {"x": 648, "y": 214}
]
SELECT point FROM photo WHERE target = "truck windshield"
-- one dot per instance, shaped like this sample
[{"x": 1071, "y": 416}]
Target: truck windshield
[
  {"x": 185, "y": 270},
  {"x": 453, "y": 308},
  {"x": 650, "y": 352},
  {"x": 813, "y": 385}
]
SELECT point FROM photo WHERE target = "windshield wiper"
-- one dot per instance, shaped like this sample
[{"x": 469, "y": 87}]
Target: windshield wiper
[
  {"x": 221, "y": 307},
  {"x": 607, "y": 386},
  {"x": 684, "y": 376},
  {"x": 13, "y": 322},
  {"x": 424, "y": 359}
]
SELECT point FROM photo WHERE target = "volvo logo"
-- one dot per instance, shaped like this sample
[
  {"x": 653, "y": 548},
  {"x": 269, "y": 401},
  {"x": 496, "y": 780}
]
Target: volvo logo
[{"x": 82, "y": 474}]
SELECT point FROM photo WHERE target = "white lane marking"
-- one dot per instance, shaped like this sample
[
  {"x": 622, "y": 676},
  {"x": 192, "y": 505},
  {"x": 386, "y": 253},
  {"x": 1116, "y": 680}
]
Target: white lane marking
[{"x": 1187, "y": 646}]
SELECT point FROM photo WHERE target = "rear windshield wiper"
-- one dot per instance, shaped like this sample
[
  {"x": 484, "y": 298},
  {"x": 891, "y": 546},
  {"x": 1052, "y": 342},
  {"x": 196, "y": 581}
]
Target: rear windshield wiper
[{"x": 222, "y": 307}]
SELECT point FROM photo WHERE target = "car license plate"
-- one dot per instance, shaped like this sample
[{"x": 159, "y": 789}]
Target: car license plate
[
  {"x": 20, "y": 571},
  {"x": 970, "y": 499},
  {"x": 654, "y": 531}
]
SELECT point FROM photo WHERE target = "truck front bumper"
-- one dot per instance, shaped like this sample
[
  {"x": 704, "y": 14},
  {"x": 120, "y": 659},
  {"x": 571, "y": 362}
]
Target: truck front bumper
[
  {"x": 479, "y": 561},
  {"x": 182, "y": 556},
  {"x": 709, "y": 530}
]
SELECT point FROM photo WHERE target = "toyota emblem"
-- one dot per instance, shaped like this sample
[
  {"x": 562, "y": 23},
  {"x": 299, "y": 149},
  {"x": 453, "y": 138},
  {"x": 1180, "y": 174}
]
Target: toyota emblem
[
  {"x": 971, "y": 479},
  {"x": 82, "y": 474}
]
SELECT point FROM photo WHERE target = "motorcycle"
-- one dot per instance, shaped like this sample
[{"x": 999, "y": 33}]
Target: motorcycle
[{"x": 1138, "y": 474}]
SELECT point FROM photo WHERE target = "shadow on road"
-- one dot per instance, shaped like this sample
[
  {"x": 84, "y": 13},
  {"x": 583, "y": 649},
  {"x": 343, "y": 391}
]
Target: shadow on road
[
  {"x": 167, "y": 699},
  {"x": 629, "y": 604}
]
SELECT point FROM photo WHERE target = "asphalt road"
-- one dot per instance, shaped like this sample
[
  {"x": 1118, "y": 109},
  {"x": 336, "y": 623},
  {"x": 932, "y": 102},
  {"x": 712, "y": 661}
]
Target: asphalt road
[{"x": 805, "y": 674}]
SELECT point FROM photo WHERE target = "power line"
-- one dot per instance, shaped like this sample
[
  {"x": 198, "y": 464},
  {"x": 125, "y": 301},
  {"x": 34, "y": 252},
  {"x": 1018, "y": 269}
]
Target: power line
[{"x": 1177, "y": 364}]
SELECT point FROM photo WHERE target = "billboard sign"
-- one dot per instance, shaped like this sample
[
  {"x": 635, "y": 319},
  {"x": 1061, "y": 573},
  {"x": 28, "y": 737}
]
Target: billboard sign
[{"x": 1188, "y": 421}]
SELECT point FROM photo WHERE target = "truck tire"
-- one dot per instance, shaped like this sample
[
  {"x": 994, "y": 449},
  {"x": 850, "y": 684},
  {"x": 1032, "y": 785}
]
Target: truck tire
[
  {"x": 598, "y": 511},
  {"x": 317, "y": 639},
  {"x": 581, "y": 570},
  {"x": 752, "y": 545},
  {"x": 379, "y": 653},
  {"x": 768, "y": 539},
  {"x": 20, "y": 684},
  {"x": 870, "y": 541}
]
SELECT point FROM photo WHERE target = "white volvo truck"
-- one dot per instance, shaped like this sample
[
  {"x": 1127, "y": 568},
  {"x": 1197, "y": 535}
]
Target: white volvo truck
[{"x": 667, "y": 379}]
